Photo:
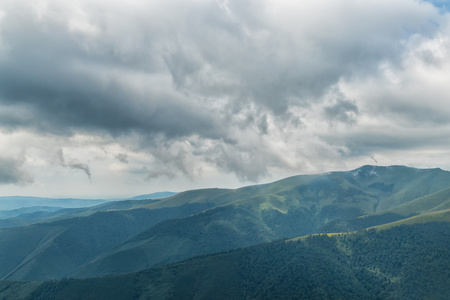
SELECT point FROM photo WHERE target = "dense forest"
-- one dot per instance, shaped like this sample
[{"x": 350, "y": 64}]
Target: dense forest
[{"x": 404, "y": 262}]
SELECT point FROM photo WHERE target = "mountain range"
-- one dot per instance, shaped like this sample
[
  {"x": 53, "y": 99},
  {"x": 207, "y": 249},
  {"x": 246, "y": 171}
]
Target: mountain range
[{"x": 220, "y": 226}]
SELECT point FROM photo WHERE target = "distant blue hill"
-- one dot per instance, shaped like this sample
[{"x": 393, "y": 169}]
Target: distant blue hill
[
  {"x": 15, "y": 202},
  {"x": 159, "y": 195},
  {"x": 26, "y": 210}
]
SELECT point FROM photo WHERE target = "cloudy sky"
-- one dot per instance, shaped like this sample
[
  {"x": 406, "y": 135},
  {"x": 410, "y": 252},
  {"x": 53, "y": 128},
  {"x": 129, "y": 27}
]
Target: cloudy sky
[{"x": 120, "y": 98}]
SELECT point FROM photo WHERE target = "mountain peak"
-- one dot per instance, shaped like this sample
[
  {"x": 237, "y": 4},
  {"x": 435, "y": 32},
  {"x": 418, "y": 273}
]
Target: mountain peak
[{"x": 365, "y": 170}]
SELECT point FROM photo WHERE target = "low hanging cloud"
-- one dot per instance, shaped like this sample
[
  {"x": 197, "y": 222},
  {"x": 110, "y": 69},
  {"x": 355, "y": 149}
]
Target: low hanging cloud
[
  {"x": 80, "y": 166},
  {"x": 73, "y": 164}
]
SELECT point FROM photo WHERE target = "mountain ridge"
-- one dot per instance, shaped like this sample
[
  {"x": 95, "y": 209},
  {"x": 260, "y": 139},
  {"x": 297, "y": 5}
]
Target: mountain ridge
[
  {"x": 205, "y": 221},
  {"x": 262, "y": 210}
]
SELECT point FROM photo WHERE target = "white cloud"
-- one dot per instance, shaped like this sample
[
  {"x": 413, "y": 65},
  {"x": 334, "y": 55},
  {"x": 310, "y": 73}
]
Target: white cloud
[{"x": 179, "y": 92}]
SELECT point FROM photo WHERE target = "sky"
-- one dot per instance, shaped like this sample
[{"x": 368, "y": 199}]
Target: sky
[{"x": 110, "y": 99}]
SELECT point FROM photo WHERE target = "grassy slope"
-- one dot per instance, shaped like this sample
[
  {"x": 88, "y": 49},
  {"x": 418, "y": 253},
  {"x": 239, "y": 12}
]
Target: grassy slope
[
  {"x": 439, "y": 200},
  {"x": 435, "y": 216},
  {"x": 436, "y": 201}
]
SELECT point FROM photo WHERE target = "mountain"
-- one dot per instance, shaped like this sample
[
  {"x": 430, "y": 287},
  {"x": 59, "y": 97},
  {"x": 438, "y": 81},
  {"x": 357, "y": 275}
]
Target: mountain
[
  {"x": 158, "y": 195},
  {"x": 129, "y": 236},
  {"x": 433, "y": 202},
  {"x": 404, "y": 262},
  {"x": 15, "y": 202},
  {"x": 435, "y": 216},
  {"x": 6, "y": 214},
  {"x": 38, "y": 214},
  {"x": 295, "y": 206},
  {"x": 26, "y": 215},
  {"x": 57, "y": 249}
]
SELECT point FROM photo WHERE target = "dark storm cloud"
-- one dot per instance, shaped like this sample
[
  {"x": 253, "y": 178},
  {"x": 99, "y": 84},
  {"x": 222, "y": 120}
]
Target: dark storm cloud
[
  {"x": 62, "y": 87},
  {"x": 112, "y": 111},
  {"x": 12, "y": 172}
]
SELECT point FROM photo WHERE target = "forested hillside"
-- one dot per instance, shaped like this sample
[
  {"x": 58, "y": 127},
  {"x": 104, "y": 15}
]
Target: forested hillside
[
  {"x": 129, "y": 236},
  {"x": 405, "y": 262}
]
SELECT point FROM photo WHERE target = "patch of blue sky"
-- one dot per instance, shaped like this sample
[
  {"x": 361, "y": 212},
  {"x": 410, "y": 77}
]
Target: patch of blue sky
[{"x": 443, "y": 5}]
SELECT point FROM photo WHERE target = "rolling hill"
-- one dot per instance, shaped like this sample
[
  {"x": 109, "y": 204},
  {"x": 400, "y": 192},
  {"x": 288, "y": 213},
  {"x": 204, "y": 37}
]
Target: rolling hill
[
  {"x": 56, "y": 249},
  {"x": 28, "y": 215},
  {"x": 134, "y": 235},
  {"x": 15, "y": 202},
  {"x": 295, "y": 206}
]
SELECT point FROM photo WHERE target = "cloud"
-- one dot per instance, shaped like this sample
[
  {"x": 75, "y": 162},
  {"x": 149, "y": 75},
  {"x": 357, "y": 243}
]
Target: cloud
[
  {"x": 122, "y": 157},
  {"x": 81, "y": 167},
  {"x": 152, "y": 174},
  {"x": 73, "y": 164},
  {"x": 404, "y": 106},
  {"x": 243, "y": 87},
  {"x": 441, "y": 4},
  {"x": 342, "y": 110},
  {"x": 12, "y": 172},
  {"x": 63, "y": 81},
  {"x": 74, "y": 69}
]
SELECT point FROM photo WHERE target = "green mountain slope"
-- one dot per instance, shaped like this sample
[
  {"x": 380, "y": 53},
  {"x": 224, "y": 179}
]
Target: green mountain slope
[
  {"x": 76, "y": 236},
  {"x": 59, "y": 248},
  {"x": 435, "y": 216},
  {"x": 212, "y": 231},
  {"x": 295, "y": 206},
  {"x": 405, "y": 262},
  {"x": 130, "y": 236},
  {"x": 433, "y": 202}
]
